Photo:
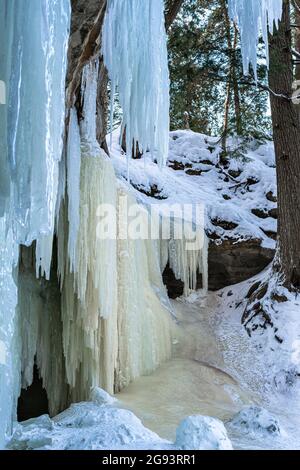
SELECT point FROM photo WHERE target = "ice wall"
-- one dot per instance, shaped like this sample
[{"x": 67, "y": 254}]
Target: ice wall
[
  {"x": 135, "y": 54},
  {"x": 33, "y": 65},
  {"x": 34, "y": 38},
  {"x": 116, "y": 322},
  {"x": 254, "y": 18},
  {"x": 9, "y": 344}
]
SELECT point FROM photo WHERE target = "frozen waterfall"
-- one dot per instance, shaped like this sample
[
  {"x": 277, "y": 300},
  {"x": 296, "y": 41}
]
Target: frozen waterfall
[{"x": 32, "y": 67}]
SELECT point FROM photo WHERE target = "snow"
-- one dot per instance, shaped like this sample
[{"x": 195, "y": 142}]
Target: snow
[
  {"x": 137, "y": 61},
  {"x": 105, "y": 425},
  {"x": 86, "y": 426},
  {"x": 255, "y": 18},
  {"x": 202, "y": 433},
  {"x": 256, "y": 421},
  {"x": 217, "y": 371},
  {"x": 101, "y": 397},
  {"x": 192, "y": 151}
]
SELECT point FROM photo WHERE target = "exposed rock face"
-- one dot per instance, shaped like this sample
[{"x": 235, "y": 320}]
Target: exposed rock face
[
  {"x": 229, "y": 263},
  {"x": 84, "y": 44},
  {"x": 84, "y": 15}
]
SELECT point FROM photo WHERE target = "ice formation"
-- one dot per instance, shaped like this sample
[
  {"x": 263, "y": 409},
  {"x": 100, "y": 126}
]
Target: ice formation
[
  {"x": 73, "y": 184},
  {"x": 86, "y": 426},
  {"x": 137, "y": 61},
  {"x": 9, "y": 348},
  {"x": 32, "y": 66},
  {"x": 254, "y": 17},
  {"x": 115, "y": 327},
  {"x": 186, "y": 263}
]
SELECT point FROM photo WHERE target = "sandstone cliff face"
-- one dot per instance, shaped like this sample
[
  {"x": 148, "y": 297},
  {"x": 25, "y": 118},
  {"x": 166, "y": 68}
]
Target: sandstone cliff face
[
  {"x": 229, "y": 262},
  {"x": 232, "y": 262}
]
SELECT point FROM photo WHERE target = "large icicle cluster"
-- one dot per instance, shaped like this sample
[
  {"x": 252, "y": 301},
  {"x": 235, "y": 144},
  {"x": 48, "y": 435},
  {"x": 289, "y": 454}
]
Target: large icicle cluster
[
  {"x": 115, "y": 327},
  {"x": 34, "y": 38},
  {"x": 254, "y": 18},
  {"x": 135, "y": 54},
  {"x": 187, "y": 264},
  {"x": 33, "y": 64}
]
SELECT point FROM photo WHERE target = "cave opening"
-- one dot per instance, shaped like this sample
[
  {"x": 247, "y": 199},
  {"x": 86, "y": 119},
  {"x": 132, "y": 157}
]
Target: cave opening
[{"x": 33, "y": 401}]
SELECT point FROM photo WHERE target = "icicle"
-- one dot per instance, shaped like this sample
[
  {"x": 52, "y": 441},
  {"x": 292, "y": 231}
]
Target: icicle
[
  {"x": 9, "y": 337},
  {"x": 187, "y": 254},
  {"x": 41, "y": 331},
  {"x": 254, "y": 18},
  {"x": 115, "y": 327},
  {"x": 135, "y": 54},
  {"x": 89, "y": 97},
  {"x": 73, "y": 185},
  {"x": 143, "y": 316},
  {"x": 114, "y": 305},
  {"x": 35, "y": 37}
]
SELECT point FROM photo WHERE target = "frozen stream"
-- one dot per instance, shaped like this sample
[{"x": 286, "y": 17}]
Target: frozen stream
[{"x": 213, "y": 372}]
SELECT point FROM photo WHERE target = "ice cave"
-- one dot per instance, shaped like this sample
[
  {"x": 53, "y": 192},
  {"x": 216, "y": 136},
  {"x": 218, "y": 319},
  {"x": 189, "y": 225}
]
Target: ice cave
[{"x": 85, "y": 318}]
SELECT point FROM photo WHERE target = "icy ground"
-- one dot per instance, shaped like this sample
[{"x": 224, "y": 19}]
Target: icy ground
[{"x": 217, "y": 370}]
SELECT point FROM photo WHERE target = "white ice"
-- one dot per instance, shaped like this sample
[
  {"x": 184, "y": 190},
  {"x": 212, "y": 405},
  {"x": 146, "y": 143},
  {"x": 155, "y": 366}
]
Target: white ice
[
  {"x": 137, "y": 62},
  {"x": 255, "y": 18}
]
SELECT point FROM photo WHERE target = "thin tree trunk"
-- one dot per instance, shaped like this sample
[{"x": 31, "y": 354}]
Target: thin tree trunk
[
  {"x": 229, "y": 84},
  {"x": 172, "y": 10},
  {"x": 102, "y": 107},
  {"x": 286, "y": 130},
  {"x": 236, "y": 91}
]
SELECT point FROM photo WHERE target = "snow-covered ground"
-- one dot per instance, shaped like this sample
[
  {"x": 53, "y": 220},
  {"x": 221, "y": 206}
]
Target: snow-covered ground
[{"x": 200, "y": 178}]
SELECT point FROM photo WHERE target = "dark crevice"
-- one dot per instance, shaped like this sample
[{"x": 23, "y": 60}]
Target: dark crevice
[{"x": 33, "y": 401}]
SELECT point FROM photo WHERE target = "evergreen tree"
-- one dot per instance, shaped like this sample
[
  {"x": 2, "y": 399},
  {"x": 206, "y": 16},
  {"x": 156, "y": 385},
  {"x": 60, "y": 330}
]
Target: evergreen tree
[{"x": 209, "y": 92}]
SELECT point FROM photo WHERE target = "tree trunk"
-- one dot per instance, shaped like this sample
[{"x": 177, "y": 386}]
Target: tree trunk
[
  {"x": 229, "y": 84},
  {"x": 102, "y": 107},
  {"x": 172, "y": 10},
  {"x": 236, "y": 91},
  {"x": 286, "y": 130}
]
